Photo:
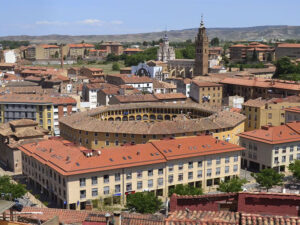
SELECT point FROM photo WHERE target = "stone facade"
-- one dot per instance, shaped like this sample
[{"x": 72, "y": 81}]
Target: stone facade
[
  {"x": 165, "y": 52},
  {"x": 201, "y": 60}
]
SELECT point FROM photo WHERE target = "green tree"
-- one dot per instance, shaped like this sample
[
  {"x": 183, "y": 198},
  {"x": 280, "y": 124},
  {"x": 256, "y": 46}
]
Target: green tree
[
  {"x": 267, "y": 178},
  {"x": 215, "y": 41},
  {"x": 7, "y": 187},
  {"x": 295, "y": 169},
  {"x": 143, "y": 202},
  {"x": 284, "y": 66},
  {"x": 269, "y": 57},
  {"x": 56, "y": 54},
  {"x": 241, "y": 67},
  {"x": 148, "y": 54},
  {"x": 145, "y": 43},
  {"x": 254, "y": 56},
  {"x": 232, "y": 185},
  {"x": 181, "y": 189},
  {"x": 115, "y": 66},
  {"x": 85, "y": 52}
]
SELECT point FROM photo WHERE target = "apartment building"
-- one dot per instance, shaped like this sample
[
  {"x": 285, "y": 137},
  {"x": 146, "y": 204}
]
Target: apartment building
[
  {"x": 45, "y": 51},
  {"x": 271, "y": 147},
  {"x": 287, "y": 49},
  {"x": 111, "y": 47},
  {"x": 251, "y": 88},
  {"x": 91, "y": 72},
  {"x": 260, "y": 112},
  {"x": 45, "y": 109},
  {"x": 206, "y": 92},
  {"x": 292, "y": 114},
  {"x": 77, "y": 174},
  {"x": 13, "y": 134},
  {"x": 75, "y": 51}
]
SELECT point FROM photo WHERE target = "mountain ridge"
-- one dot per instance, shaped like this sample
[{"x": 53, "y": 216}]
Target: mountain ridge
[{"x": 223, "y": 33}]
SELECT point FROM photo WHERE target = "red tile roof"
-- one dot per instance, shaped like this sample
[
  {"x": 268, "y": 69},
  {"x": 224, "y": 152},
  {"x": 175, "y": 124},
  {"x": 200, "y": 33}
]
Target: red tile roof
[
  {"x": 49, "y": 46},
  {"x": 288, "y": 45},
  {"x": 293, "y": 109},
  {"x": 132, "y": 79},
  {"x": 170, "y": 96},
  {"x": 206, "y": 84},
  {"x": 133, "y": 50},
  {"x": 83, "y": 45},
  {"x": 289, "y": 132},
  {"x": 71, "y": 159}
]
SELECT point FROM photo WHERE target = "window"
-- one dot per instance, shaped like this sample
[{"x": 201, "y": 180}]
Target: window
[
  {"x": 276, "y": 150},
  {"x": 291, "y": 158},
  {"x": 160, "y": 171},
  {"x": 117, "y": 177},
  {"x": 160, "y": 181},
  {"x": 235, "y": 158},
  {"x": 106, "y": 190},
  {"x": 235, "y": 168},
  {"x": 199, "y": 174},
  {"x": 107, "y": 134},
  {"x": 150, "y": 173},
  {"x": 283, "y": 159},
  {"x": 170, "y": 178},
  {"x": 139, "y": 185},
  {"x": 190, "y": 165},
  {"x": 208, "y": 172},
  {"x": 292, "y": 148},
  {"x": 94, "y": 180},
  {"x": 116, "y": 135},
  {"x": 270, "y": 115},
  {"x": 227, "y": 159},
  {"x": 82, "y": 182},
  {"x": 82, "y": 193},
  {"x": 209, "y": 162},
  {"x": 96, "y": 142},
  {"x": 180, "y": 166},
  {"x": 218, "y": 171},
  {"x": 117, "y": 188},
  {"x": 226, "y": 169},
  {"x": 284, "y": 149},
  {"x": 150, "y": 183},
  {"x": 200, "y": 163},
  {"x": 96, "y": 134},
  {"x": 95, "y": 192},
  {"x": 298, "y": 147},
  {"x": 180, "y": 176},
  {"x": 218, "y": 160},
  {"x": 190, "y": 175},
  {"x": 171, "y": 168},
  {"x": 276, "y": 160},
  {"x": 139, "y": 174},
  {"x": 116, "y": 143},
  {"x": 107, "y": 143},
  {"x": 106, "y": 179},
  {"x": 298, "y": 156},
  {"x": 128, "y": 176},
  {"x": 128, "y": 187}
]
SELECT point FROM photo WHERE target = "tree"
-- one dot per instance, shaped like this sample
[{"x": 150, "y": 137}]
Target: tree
[
  {"x": 269, "y": 57},
  {"x": 215, "y": 41},
  {"x": 56, "y": 54},
  {"x": 241, "y": 67},
  {"x": 181, "y": 189},
  {"x": 143, "y": 202},
  {"x": 16, "y": 190},
  {"x": 284, "y": 66},
  {"x": 233, "y": 185},
  {"x": 254, "y": 56},
  {"x": 295, "y": 169},
  {"x": 145, "y": 43},
  {"x": 115, "y": 66},
  {"x": 267, "y": 178}
]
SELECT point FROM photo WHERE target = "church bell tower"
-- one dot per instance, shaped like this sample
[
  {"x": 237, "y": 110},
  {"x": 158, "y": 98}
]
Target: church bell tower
[{"x": 202, "y": 45}]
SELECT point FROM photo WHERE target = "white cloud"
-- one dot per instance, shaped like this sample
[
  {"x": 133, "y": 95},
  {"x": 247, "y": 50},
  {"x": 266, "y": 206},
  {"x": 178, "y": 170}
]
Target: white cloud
[
  {"x": 93, "y": 22},
  {"x": 117, "y": 22},
  {"x": 46, "y": 22}
]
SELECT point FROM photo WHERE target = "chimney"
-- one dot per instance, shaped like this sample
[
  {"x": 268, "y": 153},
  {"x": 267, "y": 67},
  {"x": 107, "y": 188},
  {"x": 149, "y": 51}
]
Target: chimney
[{"x": 117, "y": 218}]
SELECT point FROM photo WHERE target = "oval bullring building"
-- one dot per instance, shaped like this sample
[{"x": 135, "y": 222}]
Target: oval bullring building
[{"x": 109, "y": 126}]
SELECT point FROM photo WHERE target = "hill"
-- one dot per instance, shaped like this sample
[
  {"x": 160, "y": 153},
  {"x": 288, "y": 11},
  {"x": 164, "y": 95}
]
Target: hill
[{"x": 234, "y": 34}]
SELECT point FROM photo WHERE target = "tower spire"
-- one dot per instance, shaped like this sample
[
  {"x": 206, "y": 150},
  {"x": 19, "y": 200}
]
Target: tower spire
[{"x": 202, "y": 23}]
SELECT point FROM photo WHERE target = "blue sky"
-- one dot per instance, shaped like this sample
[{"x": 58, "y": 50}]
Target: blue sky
[{"x": 80, "y": 17}]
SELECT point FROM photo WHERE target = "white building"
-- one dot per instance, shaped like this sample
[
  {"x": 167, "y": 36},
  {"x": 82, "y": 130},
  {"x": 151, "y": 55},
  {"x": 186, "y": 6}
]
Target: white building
[
  {"x": 10, "y": 56},
  {"x": 165, "y": 52},
  {"x": 150, "y": 69}
]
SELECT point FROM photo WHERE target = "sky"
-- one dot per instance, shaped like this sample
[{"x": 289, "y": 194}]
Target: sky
[{"x": 97, "y": 17}]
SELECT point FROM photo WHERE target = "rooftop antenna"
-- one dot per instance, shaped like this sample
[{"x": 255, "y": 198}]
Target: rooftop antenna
[{"x": 202, "y": 23}]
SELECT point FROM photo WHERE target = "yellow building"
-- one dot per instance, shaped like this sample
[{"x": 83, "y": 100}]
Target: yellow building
[
  {"x": 206, "y": 93},
  {"x": 47, "y": 52},
  {"x": 44, "y": 109},
  {"x": 113, "y": 125},
  {"x": 69, "y": 175},
  {"x": 75, "y": 51},
  {"x": 260, "y": 112}
]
